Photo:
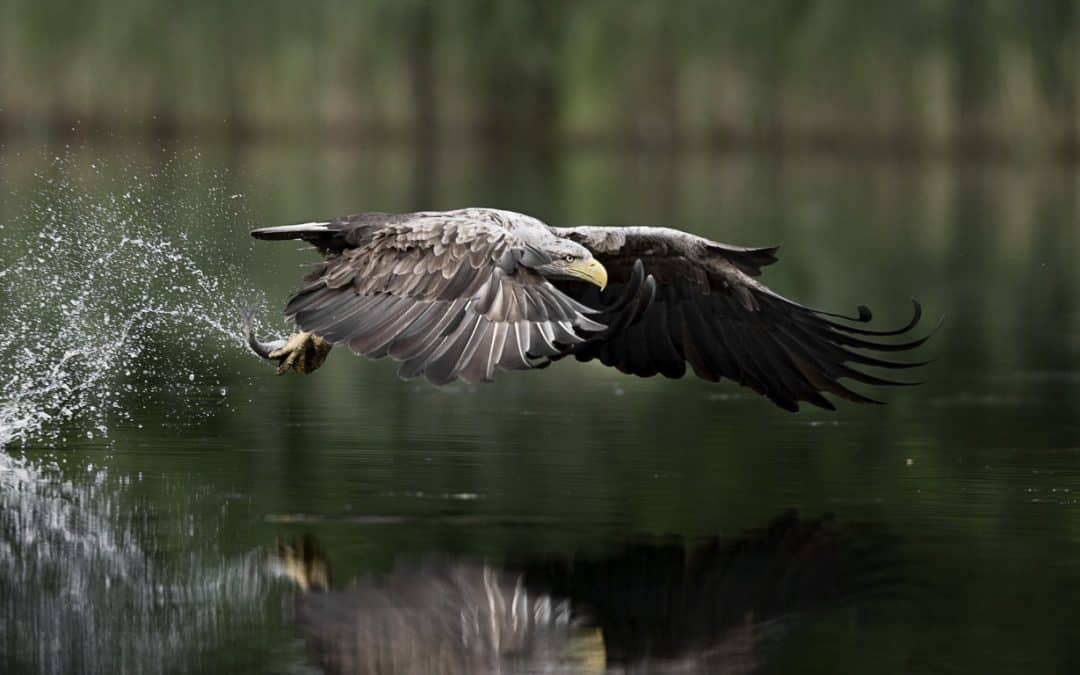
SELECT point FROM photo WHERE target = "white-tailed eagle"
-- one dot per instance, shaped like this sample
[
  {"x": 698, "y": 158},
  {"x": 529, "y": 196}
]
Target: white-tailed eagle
[{"x": 464, "y": 294}]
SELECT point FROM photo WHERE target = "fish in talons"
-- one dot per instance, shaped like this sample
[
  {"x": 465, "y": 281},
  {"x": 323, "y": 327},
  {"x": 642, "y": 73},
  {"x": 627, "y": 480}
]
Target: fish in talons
[{"x": 302, "y": 352}]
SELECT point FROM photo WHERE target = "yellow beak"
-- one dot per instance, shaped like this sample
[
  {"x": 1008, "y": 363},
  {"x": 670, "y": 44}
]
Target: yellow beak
[{"x": 590, "y": 270}]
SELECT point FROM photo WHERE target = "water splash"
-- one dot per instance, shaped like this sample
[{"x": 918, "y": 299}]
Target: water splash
[
  {"x": 107, "y": 301},
  {"x": 116, "y": 296}
]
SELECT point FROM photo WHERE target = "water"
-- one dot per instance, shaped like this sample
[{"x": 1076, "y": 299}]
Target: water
[{"x": 151, "y": 466}]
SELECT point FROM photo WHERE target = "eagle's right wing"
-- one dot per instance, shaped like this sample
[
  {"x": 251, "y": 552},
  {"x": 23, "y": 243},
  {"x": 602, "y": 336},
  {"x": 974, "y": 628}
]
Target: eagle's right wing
[{"x": 443, "y": 293}]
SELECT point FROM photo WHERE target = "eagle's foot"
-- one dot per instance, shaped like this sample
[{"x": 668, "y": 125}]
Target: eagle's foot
[{"x": 302, "y": 352}]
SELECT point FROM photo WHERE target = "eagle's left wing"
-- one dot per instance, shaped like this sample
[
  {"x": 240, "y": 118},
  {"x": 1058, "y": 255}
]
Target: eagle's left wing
[{"x": 710, "y": 311}]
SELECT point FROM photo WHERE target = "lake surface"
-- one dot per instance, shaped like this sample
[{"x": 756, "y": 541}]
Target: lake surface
[{"x": 156, "y": 479}]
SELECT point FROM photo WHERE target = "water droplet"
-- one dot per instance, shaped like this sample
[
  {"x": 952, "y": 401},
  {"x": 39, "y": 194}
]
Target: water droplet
[{"x": 71, "y": 335}]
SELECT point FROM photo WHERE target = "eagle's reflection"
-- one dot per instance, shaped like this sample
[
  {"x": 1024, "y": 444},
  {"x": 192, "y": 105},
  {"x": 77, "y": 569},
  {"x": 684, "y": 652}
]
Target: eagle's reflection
[{"x": 713, "y": 606}]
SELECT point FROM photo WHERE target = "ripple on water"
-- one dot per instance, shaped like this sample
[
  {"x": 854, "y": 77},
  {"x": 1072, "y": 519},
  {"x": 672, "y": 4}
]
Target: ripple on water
[{"x": 79, "y": 592}]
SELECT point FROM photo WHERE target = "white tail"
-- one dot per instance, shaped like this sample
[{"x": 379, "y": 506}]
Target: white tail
[{"x": 297, "y": 231}]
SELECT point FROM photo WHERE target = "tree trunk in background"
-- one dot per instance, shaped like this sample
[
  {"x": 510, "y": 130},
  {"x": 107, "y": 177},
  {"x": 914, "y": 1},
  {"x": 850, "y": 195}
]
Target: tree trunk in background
[
  {"x": 420, "y": 25},
  {"x": 1061, "y": 72},
  {"x": 232, "y": 38},
  {"x": 974, "y": 64},
  {"x": 667, "y": 124},
  {"x": 420, "y": 58},
  {"x": 514, "y": 54},
  {"x": 1070, "y": 135}
]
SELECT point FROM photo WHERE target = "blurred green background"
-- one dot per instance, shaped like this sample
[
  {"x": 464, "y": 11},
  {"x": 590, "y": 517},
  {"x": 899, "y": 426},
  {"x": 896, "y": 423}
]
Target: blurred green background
[
  {"x": 958, "y": 76},
  {"x": 179, "y": 458}
]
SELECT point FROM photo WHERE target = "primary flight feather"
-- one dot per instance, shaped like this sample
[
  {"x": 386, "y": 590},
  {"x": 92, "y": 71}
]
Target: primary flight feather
[{"x": 463, "y": 294}]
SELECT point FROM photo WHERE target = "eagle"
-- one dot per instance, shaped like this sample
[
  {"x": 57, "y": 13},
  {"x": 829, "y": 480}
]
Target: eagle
[{"x": 467, "y": 293}]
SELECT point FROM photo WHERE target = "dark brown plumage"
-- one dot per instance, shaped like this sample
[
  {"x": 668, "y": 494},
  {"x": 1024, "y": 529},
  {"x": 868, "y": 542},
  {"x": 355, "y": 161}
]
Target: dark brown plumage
[
  {"x": 460, "y": 294},
  {"x": 710, "y": 311}
]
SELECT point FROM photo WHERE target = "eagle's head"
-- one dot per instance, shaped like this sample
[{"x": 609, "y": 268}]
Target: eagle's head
[{"x": 560, "y": 258}]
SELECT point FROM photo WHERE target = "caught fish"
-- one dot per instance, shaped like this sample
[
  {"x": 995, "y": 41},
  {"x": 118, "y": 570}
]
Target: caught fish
[
  {"x": 302, "y": 352},
  {"x": 263, "y": 349}
]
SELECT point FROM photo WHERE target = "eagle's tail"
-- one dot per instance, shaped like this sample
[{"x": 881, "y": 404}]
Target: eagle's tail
[
  {"x": 325, "y": 236},
  {"x": 306, "y": 231}
]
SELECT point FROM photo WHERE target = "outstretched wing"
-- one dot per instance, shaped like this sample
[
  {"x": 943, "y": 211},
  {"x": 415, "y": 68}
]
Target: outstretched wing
[
  {"x": 710, "y": 311},
  {"x": 444, "y": 294}
]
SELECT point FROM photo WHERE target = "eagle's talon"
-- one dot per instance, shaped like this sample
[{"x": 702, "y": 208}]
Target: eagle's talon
[{"x": 302, "y": 352}]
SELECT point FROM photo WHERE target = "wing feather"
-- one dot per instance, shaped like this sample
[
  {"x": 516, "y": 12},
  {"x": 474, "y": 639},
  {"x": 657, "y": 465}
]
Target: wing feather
[
  {"x": 434, "y": 291},
  {"x": 451, "y": 296},
  {"x": 709, "y": 311}
]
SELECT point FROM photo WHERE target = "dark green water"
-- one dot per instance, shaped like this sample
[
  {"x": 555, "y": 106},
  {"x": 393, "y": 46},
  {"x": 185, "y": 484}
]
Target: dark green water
[{"x": 135, "y": 526}]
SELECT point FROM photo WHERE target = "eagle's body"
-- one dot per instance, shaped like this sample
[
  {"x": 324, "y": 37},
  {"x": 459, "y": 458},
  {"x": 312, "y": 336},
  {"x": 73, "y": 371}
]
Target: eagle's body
[{"x": 463, "y": 294}]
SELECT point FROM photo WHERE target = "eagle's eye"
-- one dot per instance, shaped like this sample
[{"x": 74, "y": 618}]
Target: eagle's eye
[{"x": 568, "y": 258}]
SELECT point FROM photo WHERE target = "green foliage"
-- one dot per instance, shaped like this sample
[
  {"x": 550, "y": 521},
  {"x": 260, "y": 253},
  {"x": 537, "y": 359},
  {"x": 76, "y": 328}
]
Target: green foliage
[{"x": 996, "y": 74}]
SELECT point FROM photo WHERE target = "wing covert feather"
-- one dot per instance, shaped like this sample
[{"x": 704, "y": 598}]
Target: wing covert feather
[{"x": 434, "y": 292}]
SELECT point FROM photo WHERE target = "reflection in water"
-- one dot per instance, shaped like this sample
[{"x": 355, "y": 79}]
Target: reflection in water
[
  {"x": 436, "y": 617},
  {"x": 716, "y": 606},
  {"x": 81, "y": 592}
]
